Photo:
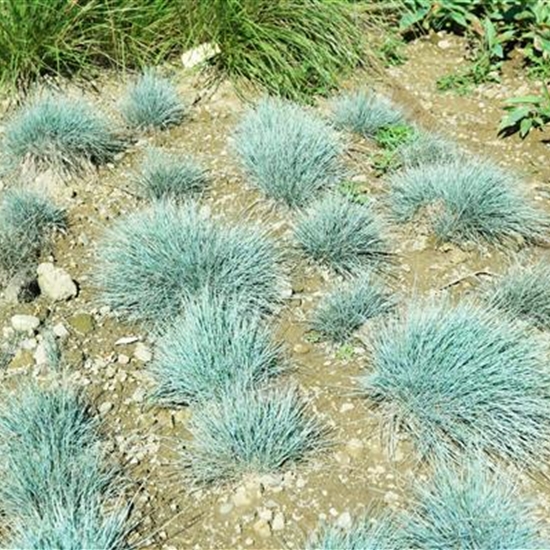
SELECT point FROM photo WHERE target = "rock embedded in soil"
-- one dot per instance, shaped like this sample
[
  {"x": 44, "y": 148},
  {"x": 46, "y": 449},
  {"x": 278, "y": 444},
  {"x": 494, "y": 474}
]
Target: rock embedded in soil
[
  {"x": 55, "y": 283},
  {"x": 25, "y": 323},
  {"x": 83, "y": 323},
  {"x": 142, "y": 353}
]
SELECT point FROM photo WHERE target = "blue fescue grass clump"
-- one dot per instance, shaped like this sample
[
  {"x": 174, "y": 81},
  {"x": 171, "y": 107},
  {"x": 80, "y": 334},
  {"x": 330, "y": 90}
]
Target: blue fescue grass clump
[
  {"x": 170, "y": 176},
  {"x": 367, "y": 534},
  {"x": 467, "y": 201},
  {"x": 55, "y": 482},
  {"x": 151, "y": 261},
  {"x": 290, "y": 154},
  {"x": 60, "y": 132},
  {"x": 365, "y": 113},
  {"x": 523, "y": 292},
  {"x": 426, "y": 149},
  {"x": 152, "y": 102},
  {"x": 213, "y": 347},
  {"x": 26, "y": 223},
  {"x": 460, "y": 378},
  {"x": 251, "y": 431},
  {"x": 342, "y": 234},
  {"x": 343, "y": 311},
  {"x": 471, "y": 508}
]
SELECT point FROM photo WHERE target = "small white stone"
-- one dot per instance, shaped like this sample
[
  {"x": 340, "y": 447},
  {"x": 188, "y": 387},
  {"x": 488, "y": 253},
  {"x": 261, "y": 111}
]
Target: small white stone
[
  {"x": 123, "y": 359},
  {"x": 200, "y": 54},
  {"x": 125, "y": 340},
  {"x": 55, "y": 283},
  {"x": 265, "y": 514},
  {"x": 142, "y": 353},
  {"x": 344, "y": 520},
  {"x": 241, "y": 498},
  {"x": 225, "y": 508},
  {"x": 41, "y": 354},
  {"x": 60, "y": 331},
  {"x": 262, "y": 528},
  {"x": 105, "y": 407},
  {"x": 278, "y": 522},
  {"x": 25, "y": 323}
]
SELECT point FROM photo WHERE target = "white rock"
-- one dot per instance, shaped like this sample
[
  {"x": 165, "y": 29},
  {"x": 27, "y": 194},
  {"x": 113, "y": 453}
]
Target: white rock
[
  {"x": 200, "y": 54},
  {"x": 55, "y": 283},
  {"x": 123, "y": 359},
  {"x": 105, "y": 407},
  {"x": 344, "y": 520},
  {"x": 278, "y": 522},
  {"x": 142, "y": 353},
  {"x": 125, "y": 340},
  {"x": 25, "y": 323},
  {"x": 41, "y": 354},
  {"x": 262, "y": 528},
  {"x": 60, "y": 331}
]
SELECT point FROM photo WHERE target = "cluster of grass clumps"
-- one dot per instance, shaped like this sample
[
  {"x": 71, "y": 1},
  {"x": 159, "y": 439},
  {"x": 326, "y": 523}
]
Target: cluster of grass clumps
[
  {"x": 341, "y": 234},
  {"x": 346, "y": 309},
  {"x": 365, "y": 113},
  {"x": 27, "y": 221},
  {"x": 213, "y": 348},
  {"x": 470, "y": 507},
  {"x": 55, "y": 131},
  {"x": 250, "y": 431},
  {"x": 459, "y": 378},
  {"x": 56, "y": 483},
  {"x": 152, "y": 102},
  {"x": 289, "y": 153},
  {"x": 151, "y": 261},
  {"x": 467, "y": 201},
  {"x": 523, "y": 292},
  {"x": 170, "y": 176}
]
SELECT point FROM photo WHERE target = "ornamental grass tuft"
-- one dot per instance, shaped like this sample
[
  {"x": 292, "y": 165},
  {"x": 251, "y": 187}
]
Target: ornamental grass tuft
[
  {"x": 461, "y": 378},
  {"x": 289, "y": 153}
]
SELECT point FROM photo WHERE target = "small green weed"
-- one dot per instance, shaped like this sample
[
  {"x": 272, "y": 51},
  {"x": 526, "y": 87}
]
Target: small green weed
[
  {"x": 354, "y": 191},
  {"x": 394, "y": 136}
]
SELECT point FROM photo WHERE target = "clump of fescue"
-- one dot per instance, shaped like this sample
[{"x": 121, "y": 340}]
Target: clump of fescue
[
  {"x": 152, "y": 102},
  {"x": 365, "y": 113},
  {"x": 426, "y": 149},
  {"x": 55, "y": 131},
  {"x": 367, "y": 534},
  {"x": 170, "y": 176},
  {"x": 250, "y": 432},
  {"x": 55, "y": 483},
  {"x": 471, "y": 508},
  {"x": 467, "y": 201},
  {"x": 213, "y": 347},
  {"x": 151, "y": 261},
  {"x": 342, "y": 234},
  {"x": 26, "y": 223},
  {"x": 342, "y": 312},
  {"x": 461, "y": 378},
  {"x": 289, "y": 153},
  {"x": 523, "y": 292}
]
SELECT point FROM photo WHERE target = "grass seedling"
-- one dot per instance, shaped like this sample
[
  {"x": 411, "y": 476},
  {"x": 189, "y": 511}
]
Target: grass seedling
[
  {"x": 467, "y": 201},
  {"x": 470, "y": 507},
  {"x": 152, "y": 261},
  {"x": 524, "y": 293},
  {"x": 214, "y": 347},
  {"x": 250, "y": 432},
  {"x": 461, "y": 378},
  {"x": 26, "y": 223},
  {"x": 342, "y": 312},
  {"x": 55, "y": 483},
  {"x": 152, "y": 102},
  {"x": 365, "y": 113},
  {"x": 290, "y": 154},
  {"x": 60, "y": 132},
  {"x": 166, "y": 175},
  {"x": 341, "y": 234}
]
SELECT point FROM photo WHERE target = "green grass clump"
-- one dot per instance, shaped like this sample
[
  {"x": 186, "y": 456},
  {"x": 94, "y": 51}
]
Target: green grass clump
[
  {"x": 427, "y": 149},
  {"x": 213, "y": 347},
  {"x": 365, "y": 113},
  {"x": 59, "y": 132},
  {"x": 367, "y": 534},
  {"x": 168, "y": 175},
  {"x": 342, "y": 312},
  {"x": 152, "y": 261},
  {"x": 395, "y": 136},
  {"x": 152, "y": 102},
  {"x": 290, "y": 154},
  {"x": 462, "y": 378},
  {"x": 467, "y": 201},
  {"x": 55, "y": 482},
  {"x": 471, "y": 508},
  {"x": 341, "y": 234},
  {"x": 250, "y": 432},
  {"x": 523, "y": 292},
  {"x": 289, "y": 48},
  {"x": 26, "y": 223}
]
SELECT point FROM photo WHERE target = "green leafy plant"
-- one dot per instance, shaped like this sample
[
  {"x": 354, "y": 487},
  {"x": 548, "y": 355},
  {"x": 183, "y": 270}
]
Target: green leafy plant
[
  {"x": 526, "y": 113},
  {"x": 394, "y": 136}
]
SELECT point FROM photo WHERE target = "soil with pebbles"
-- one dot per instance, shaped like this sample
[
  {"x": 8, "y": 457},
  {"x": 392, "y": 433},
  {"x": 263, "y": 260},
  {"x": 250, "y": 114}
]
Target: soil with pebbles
[{"x": 109, "y": 357}]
